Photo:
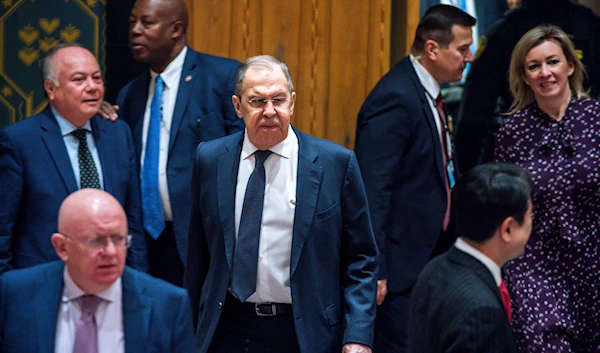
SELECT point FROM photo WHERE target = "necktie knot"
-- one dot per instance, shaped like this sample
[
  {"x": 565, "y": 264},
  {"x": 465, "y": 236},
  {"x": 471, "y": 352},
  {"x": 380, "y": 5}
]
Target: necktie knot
[
  {"x": 80, "y": 134},
  {"x": 261, "y": 157},
  {"x": 89, "y": 304},
  {"x": 439, "y": 102},
  {"x": 159, "y": 85}
]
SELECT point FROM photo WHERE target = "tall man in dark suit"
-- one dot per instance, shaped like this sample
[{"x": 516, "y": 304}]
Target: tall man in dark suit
[
  {"x": 46, "y": 157},
  {"x": 89, "y": 301},
  {"x": 404, "y": 150},
  {"x": 194, "y": 106},
  {"x": 282, "y": 257},
  {"x": 460, "y": 302}
]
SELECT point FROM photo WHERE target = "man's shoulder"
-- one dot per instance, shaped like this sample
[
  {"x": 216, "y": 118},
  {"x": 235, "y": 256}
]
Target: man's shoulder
[
  {"x": 213, "y": 60},
  {"x": 27, "y": 125},
  {"x": 23, "y": 278}
]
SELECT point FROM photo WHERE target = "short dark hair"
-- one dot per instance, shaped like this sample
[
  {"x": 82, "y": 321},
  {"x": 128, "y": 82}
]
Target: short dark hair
[
  {"x": 488, "y": 194},
  {"x": 437, "y": 24}
]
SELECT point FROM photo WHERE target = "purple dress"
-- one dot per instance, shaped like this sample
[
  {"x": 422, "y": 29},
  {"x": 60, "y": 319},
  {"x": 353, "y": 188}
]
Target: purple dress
[{"x": 554, "y": 285}]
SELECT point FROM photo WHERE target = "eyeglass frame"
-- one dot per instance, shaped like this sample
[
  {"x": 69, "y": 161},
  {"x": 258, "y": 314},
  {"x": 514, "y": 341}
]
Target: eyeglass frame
[
  {"x": 276, "y": 101},
  {"x": 87, "y": 243}
]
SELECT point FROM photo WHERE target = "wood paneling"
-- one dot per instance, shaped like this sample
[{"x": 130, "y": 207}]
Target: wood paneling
[{"x": 336, "y": 51}]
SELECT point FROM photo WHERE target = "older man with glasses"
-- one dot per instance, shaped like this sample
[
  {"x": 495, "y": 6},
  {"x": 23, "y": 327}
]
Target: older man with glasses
[{"x": 90, "y": 302}]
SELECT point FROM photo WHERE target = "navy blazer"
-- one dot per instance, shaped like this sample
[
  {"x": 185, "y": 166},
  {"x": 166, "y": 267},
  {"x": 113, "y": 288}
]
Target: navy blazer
[
  {"x": 334, "y": 254},
  {"x": 203, "y": 111},
  {"x": 456, "y": 307},
  {"x": 156, "y": 314},
  {"x": 36, "y": 176},
  {"x": 399, "y": 153}
]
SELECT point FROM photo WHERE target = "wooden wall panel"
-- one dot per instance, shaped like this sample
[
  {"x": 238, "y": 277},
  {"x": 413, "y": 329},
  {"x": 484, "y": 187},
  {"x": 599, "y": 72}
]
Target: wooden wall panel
[{"x": 336, "y": 51}]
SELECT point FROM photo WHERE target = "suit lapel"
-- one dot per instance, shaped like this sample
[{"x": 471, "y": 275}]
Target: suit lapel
[
  {"x": 46, "y": 308},
  {"x": 137, "y": 108},
  {"x": 105, "y": 150},
  {"x": 136, "y": 313},
  {"x": 54, "y": 142},
  {"x": 478, "y": 268},
  {"x": 227, "y": 170},
  {"x": 190, "y": 70},
  {"x": 433, "y": 129},
  {"x": 307, "y": 191}
]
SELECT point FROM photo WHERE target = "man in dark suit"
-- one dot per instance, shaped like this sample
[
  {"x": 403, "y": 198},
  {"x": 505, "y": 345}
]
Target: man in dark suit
[
  {"x": 282, "y": 257},
  {"x": 460, "y": 302},
  {"x": 195, "y": 107},
  {"x": 42, "y": 161},
  {"x": 89, "y": 301},
  {"x": 404, "y": 149}
]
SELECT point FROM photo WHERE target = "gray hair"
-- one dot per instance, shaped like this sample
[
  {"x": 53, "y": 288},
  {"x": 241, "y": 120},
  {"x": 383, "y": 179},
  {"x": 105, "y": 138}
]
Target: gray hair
[
  {"x": 49, "y": 71},
  {"x": 264, "y": 62}
]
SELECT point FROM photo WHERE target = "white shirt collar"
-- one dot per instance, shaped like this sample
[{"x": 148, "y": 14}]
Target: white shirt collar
[
  {"x": 173, "y": 70},
  {"x": 427, "y": 81},
  {"x": 284, "y": 148},
  {"x": 65, "y": 126},
  {"x": 489, "y": 263},
  {"x": 71, "y": 291}
]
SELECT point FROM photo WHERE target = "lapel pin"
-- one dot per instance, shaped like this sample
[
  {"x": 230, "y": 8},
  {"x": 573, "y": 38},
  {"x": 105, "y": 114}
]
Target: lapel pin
[{"x": 188, "y": 78}]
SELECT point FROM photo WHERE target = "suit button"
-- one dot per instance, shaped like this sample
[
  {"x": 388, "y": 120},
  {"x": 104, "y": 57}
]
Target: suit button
[{"x": 220, "y": 305}]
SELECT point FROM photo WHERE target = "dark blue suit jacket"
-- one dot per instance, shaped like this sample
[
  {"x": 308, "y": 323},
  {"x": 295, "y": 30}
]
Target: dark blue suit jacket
[
  {"x": 456, "y": 307},
  {"x": 399, "y": 153},
  {"x": 36, "y": 176},
  {"x": 203, "y": 111},
  {"x": 333, "y": 258},
  {"x": 156, "y": 314}
]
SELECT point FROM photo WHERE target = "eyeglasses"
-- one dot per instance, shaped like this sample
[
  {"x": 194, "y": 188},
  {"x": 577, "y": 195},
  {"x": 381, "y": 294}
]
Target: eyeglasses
[
  {"x": 100, "y": 244},
  {"x": 261, "y": 103}
]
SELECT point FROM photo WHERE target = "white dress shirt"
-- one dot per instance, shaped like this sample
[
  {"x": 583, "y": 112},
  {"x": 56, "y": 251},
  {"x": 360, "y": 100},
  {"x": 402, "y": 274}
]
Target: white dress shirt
[
  {"x": 109, "y": 318},
  {"x": 489, "y": 263},
  {"x": 275, "y": 246},
  {"x": 72, "y": 145},
  {"x": 171, "y": 77}
]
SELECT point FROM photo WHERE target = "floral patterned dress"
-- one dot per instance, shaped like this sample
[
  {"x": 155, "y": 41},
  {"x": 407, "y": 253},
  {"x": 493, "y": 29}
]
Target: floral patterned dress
[{"x": 554, "y": 285}]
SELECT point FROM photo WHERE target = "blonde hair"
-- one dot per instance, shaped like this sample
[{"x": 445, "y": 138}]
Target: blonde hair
[{"x": 522, "y": 93}]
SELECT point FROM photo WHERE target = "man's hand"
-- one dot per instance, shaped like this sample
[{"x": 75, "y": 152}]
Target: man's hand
[
  {"x": 381, "y": 290},
  {"x": 356, "y": 348},
  {"x": 108, "y": 111}
]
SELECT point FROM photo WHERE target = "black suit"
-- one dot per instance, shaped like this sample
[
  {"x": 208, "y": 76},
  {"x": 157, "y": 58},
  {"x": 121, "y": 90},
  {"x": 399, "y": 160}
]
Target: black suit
[
  {"x": 399, "y": 153},
  {"x": 456, "y": 307}
]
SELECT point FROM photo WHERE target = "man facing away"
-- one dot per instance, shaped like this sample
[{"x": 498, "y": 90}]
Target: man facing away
[
  {"x": 66, "y": 147},
  {"x": 281, "y": 256},
  {"x": 90, "y": 302},
  {"x": 183, "y": 98},
  {"x": 404, "y": 149},
  {"x": 460, "y": 302}
]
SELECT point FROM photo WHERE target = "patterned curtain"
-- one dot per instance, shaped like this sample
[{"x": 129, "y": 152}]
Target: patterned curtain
[{"x": 28, "y": 30}]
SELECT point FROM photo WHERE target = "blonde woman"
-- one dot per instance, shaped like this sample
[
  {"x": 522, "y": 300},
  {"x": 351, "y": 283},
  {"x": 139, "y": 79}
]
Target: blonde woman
[{"x": 554, "y": 131}]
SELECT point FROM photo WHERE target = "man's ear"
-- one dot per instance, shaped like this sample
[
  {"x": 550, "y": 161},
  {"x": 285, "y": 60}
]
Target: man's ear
[
  {"x": 507, "y": 229},
  {"x": 237, "y": 105},
  {"x": 60, "y": 246},
  {"x": 431, "y": 49},
  {"x": 178, "y": 29},
  {"x": 49, "y": 88}
]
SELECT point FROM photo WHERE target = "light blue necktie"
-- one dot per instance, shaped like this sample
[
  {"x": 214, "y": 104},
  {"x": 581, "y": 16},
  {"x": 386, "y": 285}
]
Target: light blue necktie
[
  {"x": 245, "y": 256},
  {"x": 153, "y": 217}
]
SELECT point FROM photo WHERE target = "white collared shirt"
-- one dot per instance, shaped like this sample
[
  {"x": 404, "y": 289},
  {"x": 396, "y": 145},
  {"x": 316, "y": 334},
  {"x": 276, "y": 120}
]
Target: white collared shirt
[
  {"x": 275, "y": 246},
  {"x": 72, "y": 145},
  {"x": 489, "y": 263},
  {"x": 109, "y": 318},
  {"x": 432, "y": 87},
  {"x": 171, "y": 77}
]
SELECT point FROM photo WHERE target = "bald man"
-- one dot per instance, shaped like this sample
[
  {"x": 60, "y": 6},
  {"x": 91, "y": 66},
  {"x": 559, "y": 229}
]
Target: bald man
[
  {"x": 45, "y": 308},
  {"x": 192, "y": 104}
]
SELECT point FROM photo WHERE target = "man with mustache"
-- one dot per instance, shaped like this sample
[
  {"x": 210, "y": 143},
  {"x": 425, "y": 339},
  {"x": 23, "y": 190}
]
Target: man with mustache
[{"x": 66, "y": 147}]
